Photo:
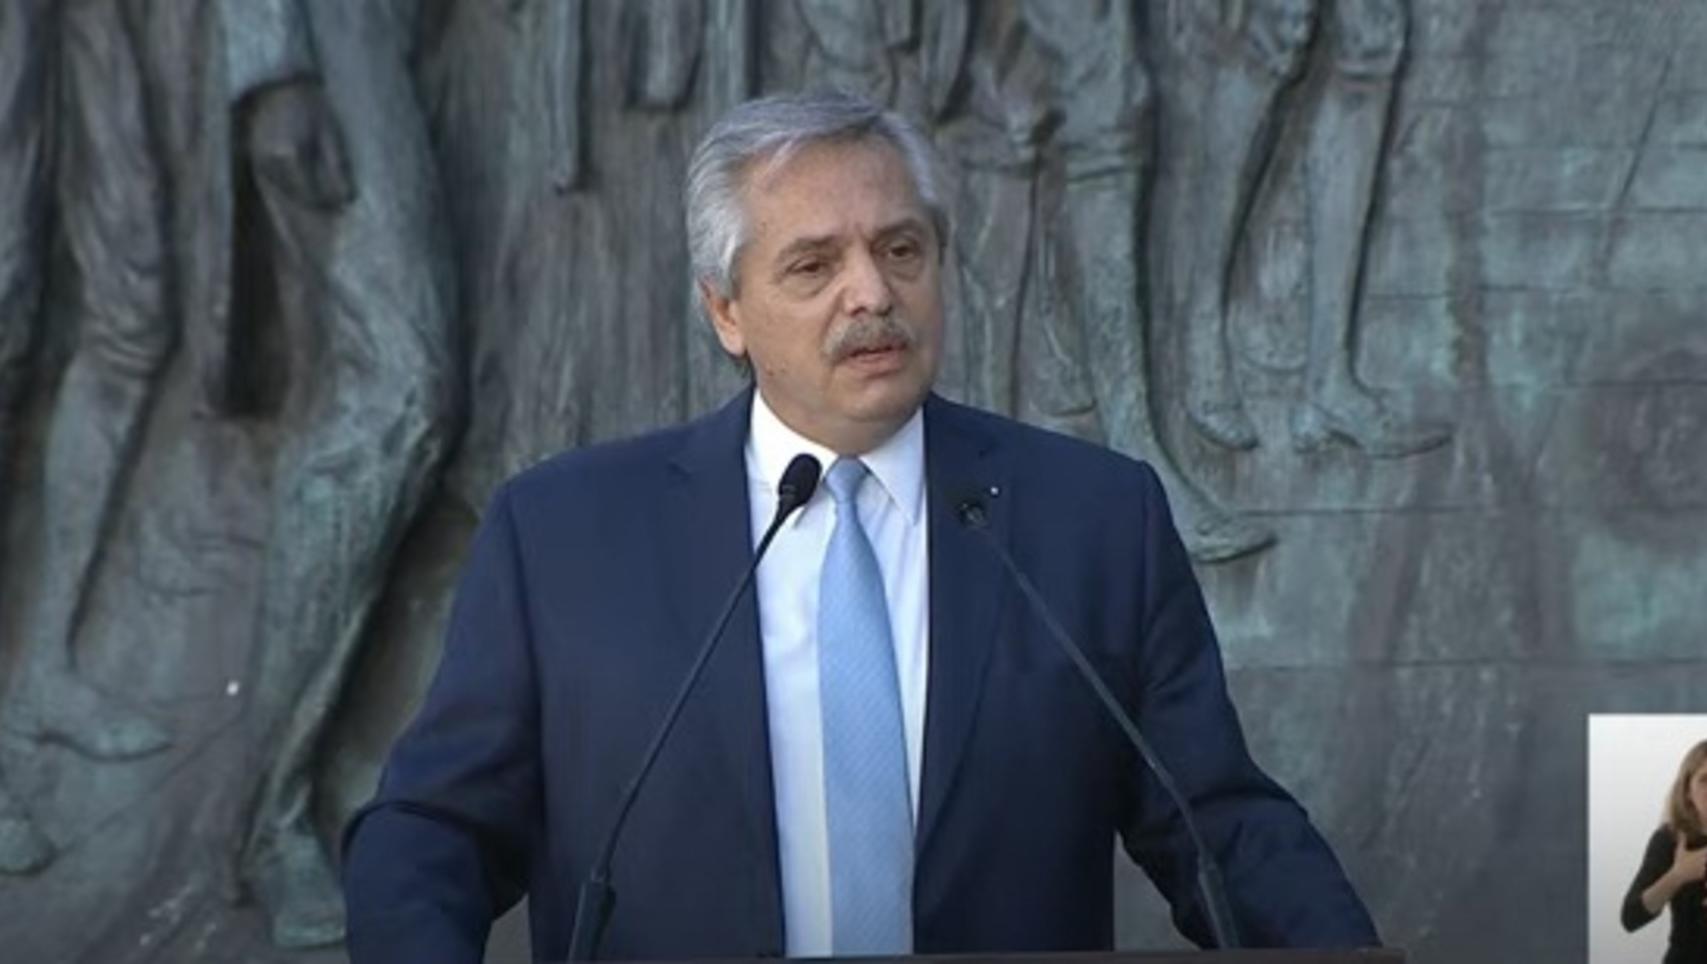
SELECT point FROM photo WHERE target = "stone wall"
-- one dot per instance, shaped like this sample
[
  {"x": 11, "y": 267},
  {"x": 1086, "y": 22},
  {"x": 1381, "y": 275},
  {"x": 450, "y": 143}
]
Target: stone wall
[{"x": 1404, "y": 298}]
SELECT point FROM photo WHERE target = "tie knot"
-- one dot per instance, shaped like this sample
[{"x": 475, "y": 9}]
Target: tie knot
[{"x": 844, "y": 479}]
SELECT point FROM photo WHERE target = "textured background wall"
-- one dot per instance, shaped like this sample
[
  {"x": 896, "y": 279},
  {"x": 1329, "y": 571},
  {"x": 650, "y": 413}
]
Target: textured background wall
[{"x": 286, "y": 286}]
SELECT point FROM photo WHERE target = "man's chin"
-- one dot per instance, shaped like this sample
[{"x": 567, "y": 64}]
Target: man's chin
[{"x": 893, "y": 401}]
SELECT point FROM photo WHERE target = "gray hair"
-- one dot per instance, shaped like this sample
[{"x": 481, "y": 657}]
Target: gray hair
[{"x": 773, "y": 129}]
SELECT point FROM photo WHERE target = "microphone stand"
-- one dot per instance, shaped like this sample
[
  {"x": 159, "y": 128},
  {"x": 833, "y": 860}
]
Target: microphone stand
[
  {"x": 597, "y": 897},
  {"x": 1211, "y": 890}
]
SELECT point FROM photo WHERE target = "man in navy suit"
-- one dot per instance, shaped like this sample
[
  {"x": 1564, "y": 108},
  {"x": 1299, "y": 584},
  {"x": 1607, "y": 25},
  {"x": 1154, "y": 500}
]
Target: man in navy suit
[{"x": 769, "y": 825}]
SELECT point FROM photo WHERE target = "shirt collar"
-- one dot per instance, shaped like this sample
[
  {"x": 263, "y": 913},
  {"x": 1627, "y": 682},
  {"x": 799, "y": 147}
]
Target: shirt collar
[{"x": 898, "y": 464}]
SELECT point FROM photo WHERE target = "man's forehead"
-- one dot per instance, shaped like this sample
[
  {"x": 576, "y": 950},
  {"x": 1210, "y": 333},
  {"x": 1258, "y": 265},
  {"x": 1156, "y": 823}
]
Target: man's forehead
[
  {"x": 822, "y": 218},
  {"x": 768, "y": 169},
  {"x": 777, "y": 172}
]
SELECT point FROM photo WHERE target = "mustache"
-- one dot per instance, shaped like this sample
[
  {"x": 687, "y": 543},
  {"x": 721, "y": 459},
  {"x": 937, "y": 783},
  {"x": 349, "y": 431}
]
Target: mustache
[{"x": 869, "y": 334}]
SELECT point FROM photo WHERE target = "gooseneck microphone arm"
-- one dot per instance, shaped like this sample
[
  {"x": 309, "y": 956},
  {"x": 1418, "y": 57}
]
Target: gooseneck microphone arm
[
  {"x": 593, "y": 905},
  {"x": 1210, "y": 890}
]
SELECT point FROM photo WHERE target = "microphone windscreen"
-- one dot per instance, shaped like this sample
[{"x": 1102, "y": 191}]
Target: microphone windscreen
[
  {"x": 970, "y": 508},
  {"x": 799, "y": 481}
]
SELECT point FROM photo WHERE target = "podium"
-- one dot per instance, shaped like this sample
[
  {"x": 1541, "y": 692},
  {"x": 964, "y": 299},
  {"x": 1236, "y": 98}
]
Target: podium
[
  {"x": 1357, "y": 956},
  {"x": 1370, "y": 955}
]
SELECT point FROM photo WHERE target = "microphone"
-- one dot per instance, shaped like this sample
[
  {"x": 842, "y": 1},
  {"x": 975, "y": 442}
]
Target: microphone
[
  {"x": 597, "y": 896},
  {"x": 973, "y": 514}
]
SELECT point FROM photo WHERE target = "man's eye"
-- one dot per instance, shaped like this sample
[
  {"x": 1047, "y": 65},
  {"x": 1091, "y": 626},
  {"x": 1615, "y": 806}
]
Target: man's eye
[
  {"x": 810, "y": 267},
  {"x": 903, "y": 250}
]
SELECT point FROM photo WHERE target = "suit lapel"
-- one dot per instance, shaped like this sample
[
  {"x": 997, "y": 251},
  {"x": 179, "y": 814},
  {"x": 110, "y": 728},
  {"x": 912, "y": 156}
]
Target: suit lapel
[
  {"x": 706, "y": 522},
  {"x": 965, "y": 593}
]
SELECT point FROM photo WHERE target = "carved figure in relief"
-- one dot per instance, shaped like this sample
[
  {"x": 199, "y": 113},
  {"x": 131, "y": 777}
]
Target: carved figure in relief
[
  {"x": 330, "y": 131},
  {"x": 1236, "y": 58},
  {"x": 1051, "y": 130},
  {"x": 109, "y": 196}
]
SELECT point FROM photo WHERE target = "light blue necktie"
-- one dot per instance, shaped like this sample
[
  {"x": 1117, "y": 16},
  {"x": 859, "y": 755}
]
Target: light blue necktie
[{"x": 865, "y": 748}]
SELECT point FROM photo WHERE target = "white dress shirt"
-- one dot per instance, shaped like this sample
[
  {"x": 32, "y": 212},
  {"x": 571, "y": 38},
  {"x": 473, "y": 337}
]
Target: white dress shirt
[{"x": 892, "y": 510}]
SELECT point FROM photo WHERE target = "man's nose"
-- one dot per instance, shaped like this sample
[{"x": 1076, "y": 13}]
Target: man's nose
[{"x": 867, "y": 289}]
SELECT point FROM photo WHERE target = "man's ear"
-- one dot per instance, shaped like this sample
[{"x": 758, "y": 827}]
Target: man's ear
[{"x": 725, "y": 318}]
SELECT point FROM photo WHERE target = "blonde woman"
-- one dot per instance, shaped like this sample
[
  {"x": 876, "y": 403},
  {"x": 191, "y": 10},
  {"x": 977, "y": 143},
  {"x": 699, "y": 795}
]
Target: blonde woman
[{"x": 1674, "y": 867}]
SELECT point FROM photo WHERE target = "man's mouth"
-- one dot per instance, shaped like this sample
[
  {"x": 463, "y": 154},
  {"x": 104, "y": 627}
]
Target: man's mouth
[
  {"x": 881, "y": 349},
  {"x": 883, "y": 358}
]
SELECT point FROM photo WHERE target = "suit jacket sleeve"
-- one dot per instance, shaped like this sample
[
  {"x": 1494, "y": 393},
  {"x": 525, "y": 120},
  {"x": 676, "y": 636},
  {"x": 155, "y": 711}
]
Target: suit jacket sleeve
[
  {"x": 442, "y": 849},
  {"x": 1284, "y": 884}
]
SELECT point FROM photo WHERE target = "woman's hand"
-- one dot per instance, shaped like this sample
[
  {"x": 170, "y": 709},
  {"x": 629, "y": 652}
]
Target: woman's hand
[{"x": 1687, "y": 866}]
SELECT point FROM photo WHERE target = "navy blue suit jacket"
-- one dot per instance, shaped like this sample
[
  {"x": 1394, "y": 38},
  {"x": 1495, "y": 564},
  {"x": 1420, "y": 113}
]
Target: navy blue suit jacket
[{"x": 587, "y": 591}]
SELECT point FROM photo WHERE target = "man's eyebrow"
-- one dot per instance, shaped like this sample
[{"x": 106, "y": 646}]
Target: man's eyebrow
[
  {"x": 802, "y": 245},
  {"x": 909, "y": 223},
  {"x": 824, "y": 242}
]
